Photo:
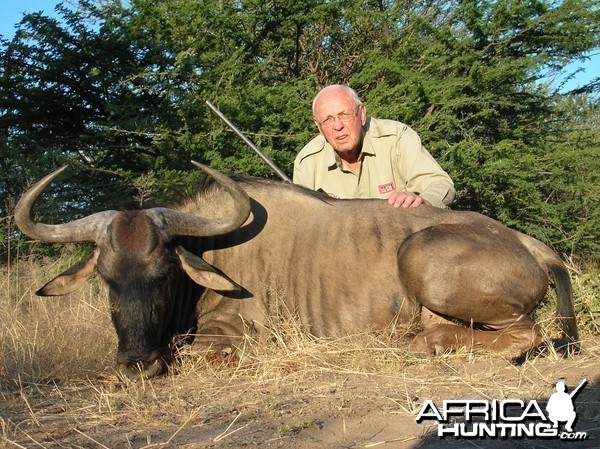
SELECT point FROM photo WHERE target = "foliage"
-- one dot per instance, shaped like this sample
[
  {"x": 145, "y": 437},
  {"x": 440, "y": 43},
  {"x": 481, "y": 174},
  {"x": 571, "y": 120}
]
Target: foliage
[
  {"x": 587, "y": 287},
  {"x": 118, "y": 88}
]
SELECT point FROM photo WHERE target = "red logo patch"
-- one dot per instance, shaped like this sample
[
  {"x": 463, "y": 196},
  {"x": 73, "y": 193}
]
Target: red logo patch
[{"x": 386, "y": 188}]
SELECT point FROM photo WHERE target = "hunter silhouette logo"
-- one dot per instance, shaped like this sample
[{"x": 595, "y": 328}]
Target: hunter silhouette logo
[
  {"x": 511, "y": 418},
  {"x": 560, "y": 405}
]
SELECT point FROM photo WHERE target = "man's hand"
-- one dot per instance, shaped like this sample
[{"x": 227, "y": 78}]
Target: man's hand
[{"x": 406, "y": 199}]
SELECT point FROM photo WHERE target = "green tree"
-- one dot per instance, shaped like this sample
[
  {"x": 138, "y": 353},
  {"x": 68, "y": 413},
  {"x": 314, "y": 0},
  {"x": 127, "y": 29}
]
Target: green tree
[
  {"x": 470, "y": 77},
  {"x": 122, "y": 87}
]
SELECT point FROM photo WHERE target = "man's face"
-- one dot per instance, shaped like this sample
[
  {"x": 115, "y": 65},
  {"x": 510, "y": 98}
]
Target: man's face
[{"x": 340, "y": 121}]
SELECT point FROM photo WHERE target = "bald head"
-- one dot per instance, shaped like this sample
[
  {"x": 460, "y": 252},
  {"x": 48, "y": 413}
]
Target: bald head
[{"x": 335, "y": 90}]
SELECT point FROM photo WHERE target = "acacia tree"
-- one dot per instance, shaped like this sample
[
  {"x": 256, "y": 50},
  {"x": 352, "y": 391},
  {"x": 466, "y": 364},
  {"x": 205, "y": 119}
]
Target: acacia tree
[{"x": 73, "y": 94}]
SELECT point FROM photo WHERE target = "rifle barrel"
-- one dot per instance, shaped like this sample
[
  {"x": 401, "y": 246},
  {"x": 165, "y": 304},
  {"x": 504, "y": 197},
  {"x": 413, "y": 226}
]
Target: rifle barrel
[
  {"x": 268, "y": 161},
  {"x": 576, "y": 390}
]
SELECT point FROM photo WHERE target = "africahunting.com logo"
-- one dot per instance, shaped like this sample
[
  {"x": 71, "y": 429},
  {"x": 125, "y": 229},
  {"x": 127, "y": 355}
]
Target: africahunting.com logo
[{"x": 512, "y": 418}]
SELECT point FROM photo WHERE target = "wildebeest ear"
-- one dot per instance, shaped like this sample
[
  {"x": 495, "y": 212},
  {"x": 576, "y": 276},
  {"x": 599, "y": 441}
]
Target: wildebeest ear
[
  {"x": 204, "y": 273},
  {"x": 71, "y": 279}
]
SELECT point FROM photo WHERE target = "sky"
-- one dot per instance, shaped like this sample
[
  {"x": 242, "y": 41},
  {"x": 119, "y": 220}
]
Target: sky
[{"x": 11, "y": 12}]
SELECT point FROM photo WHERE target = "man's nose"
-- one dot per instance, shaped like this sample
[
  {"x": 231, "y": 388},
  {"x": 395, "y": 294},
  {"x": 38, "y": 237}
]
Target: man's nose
[{"x": 337, "y": 123}]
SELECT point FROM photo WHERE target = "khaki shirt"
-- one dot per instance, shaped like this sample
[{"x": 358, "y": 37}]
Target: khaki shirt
[{"x": 392, "y": 159}]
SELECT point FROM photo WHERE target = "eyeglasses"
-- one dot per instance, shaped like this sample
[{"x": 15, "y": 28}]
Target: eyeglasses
[{"x": 344, "y": 117}]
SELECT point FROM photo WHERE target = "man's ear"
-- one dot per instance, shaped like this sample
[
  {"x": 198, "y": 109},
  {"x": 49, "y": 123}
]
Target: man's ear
[
  {"x": 317, "y": 124},
  {"x": 362, "y": 112}
]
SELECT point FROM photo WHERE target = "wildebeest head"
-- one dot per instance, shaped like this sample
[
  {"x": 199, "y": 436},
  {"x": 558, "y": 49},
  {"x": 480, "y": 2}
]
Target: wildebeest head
[{"x": 136, "y": 256}]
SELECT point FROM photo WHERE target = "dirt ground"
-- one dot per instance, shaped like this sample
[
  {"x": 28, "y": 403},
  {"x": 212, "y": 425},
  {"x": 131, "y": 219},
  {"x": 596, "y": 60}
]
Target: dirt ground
[{"x": 296, "y": 403}]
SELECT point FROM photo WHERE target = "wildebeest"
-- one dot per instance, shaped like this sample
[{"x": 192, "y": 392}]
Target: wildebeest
[{"x": 345, "y": 266}]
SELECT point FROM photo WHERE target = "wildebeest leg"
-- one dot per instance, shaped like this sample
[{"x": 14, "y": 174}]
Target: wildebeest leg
[
  {"x": 430, "y": 319},
  {"x": 218, "y": 336},
  {"x": 442, "y": 337},
  {"x": 481, "y": 280},
  {"x": 221, "y": 328}
]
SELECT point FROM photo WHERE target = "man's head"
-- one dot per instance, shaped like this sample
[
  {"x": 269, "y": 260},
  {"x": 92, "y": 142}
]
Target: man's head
[{"x": 340, "y": 115}]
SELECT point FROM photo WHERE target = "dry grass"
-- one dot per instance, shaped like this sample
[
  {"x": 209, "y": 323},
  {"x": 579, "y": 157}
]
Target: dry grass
[
  {"x": 58, "y": 387},
  {"x": 48, "y": 339}
]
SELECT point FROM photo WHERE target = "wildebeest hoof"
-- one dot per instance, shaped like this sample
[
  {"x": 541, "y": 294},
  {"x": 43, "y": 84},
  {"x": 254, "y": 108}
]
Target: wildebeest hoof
[
  {"x": 440, "y": 350},
  {"x": 220, "y": 356},
  {"x": 420, "y": 349},
  {"x": 420, "y": 355},
  {"x": 438, "y": 340}
]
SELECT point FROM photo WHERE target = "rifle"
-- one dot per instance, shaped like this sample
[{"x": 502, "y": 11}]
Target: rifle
[
  {"x": 579, "y": 387},
  {"x": 268, "y": 161}
]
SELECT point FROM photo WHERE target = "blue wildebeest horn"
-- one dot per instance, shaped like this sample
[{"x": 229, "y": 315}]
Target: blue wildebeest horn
[
  {"x": 93, "y": 227},
  {"x": 86, "y": 228},
  {"x": 178, "y": 223}
]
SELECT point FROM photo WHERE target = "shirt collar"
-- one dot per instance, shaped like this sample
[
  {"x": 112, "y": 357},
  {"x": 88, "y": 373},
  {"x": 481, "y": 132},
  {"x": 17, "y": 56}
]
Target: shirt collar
[{"x": 368, "y": 130}]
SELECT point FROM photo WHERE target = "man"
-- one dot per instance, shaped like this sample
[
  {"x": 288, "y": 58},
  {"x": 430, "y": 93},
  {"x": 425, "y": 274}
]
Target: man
[{"x": 356, "y": 156}]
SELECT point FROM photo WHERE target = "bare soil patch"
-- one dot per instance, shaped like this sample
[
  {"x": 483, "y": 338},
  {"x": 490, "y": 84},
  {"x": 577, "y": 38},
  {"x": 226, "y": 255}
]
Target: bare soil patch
[{"x": 299, "y": 400}]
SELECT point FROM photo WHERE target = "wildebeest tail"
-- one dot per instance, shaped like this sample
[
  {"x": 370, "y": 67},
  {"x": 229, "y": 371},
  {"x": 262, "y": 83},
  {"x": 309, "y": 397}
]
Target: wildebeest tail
[
  {"x": 555, "y": 267},
  {"x": 564, "y": 307}
]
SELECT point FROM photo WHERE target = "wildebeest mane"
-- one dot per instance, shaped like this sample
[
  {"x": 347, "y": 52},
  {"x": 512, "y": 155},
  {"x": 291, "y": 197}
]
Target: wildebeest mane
[{"x": 276, "y": 184}]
